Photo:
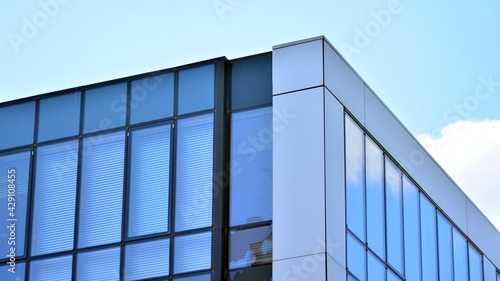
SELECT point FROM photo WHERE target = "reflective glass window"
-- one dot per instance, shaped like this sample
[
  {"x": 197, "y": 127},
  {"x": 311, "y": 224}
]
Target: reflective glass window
[
  {"x": 54, "y": 198},
  {"x": 261, "y": 273},
  {"x": 375, "y": 209},
  {"x": 250, "y": 247},
  {"x": 193, "y": 193},
  {"x": 391, "y": 276},
  {"x": 15, "y": 173},
  {"x": 429, "y": 243},
  {"x": 202, "y": 277},
  {"x": 196, "y": 89},
  {"x": 411, "y": 230},
  {"x": 445, "y": 248},
  {"x": 394, "y": 216},
  {"x": 192, "y": 252},
  {"x": 351, "y": 278},
  {"x": 17, "y": 124},
  {"x": 355, "y": 178},
  {"x": 59, "y": 117},
  {"x": 152, "y": 98},
  {"x": 475, "y": 264},
  {"x": 101, "y": 190},
  {"x": 251, "y": 161},
  {"x": 149, "y": 180},
  {"x": 98, "y": 265},
  {"x": 57, "y": 268},
  {"x": 356, "y": 257},
  {"x": 498, "y": 276},
  {"x": 15, "y": 273},
  {"x": 376, "y": 268},
  {"x": 137, "y": 268},
  {"x": 245, "y": 92},
  {"x": 460, "y": 259},
  {"x": 105, "y": 108}
]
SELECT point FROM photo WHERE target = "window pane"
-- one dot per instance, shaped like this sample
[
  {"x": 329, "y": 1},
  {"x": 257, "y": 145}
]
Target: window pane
[
  {"x": 15, "y": 173},
  {"x": 58, "y": 268},
  {"x": 54, "y": 201},
  {"x": 412, "y": 230},
  {"x": 203, "y": 277},
  {"x": 251, "y": 159},
  {"x": 394, "y": 218},
  {"x": 376, "y": 268},
  {"x": 152, "y": 98},
  {"x": 261, "y": 273},
  {"x": 17, "y": 122},
  {"x": 105, "y": 107},
  {"x": 356, "y": 257},
  {"x": 137, "y": 267},
  {"x": 429, "y": 243},
  {"x": 445, "y": 248},
  {"x": 59, "y": 117},
  {"x": 250, "y": 247},
  {"x": 196, "y": 89},
  {"x": 391, "y": 276},
  {"x": 149, "y": 181},
  {"x": 355, "y": 178},
  {"x": 475, "y": 264},
  {"x": 99, "y": 265},
  {"x": 16, "y": 273},
  {"x": 193, "y": 205},
  {"x": 244, "y": 91},
  {"x": 101, "y": 190},
  {"x": 460, "y": 256},
  {"x": 192, "y": 252},
  {"x": 375, "y": 198}
]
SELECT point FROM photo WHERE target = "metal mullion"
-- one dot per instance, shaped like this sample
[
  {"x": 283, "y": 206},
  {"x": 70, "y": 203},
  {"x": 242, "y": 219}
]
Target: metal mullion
[{"x": 173, "y": 165}]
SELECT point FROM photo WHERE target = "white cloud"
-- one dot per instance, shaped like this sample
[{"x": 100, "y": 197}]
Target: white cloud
[{"x": 470, "y": 153}]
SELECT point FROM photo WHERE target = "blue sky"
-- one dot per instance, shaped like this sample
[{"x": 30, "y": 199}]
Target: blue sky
[{"x": 435, "y": 64}]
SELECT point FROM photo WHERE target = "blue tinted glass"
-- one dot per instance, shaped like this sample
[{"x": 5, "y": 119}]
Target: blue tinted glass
[
  {"x": 192, "y": 252},
  {"x": 460, "y": 260},
  {"x": 105, "y": 108},
  {"x": 152, "y": 98},
  {"x": 391, "y": 276},
  {"x": 17, "y": 124},
  {"x": 58, "y": 268},
  {"x": 203, "y": 277},
  {"x": 149, "y": 181},
  {"x": 412, "y": 230},
  {"x": 445, "y": 249},
  {"x": 101, "y": 190},
  {"x": 356, "y": 257},
  {"x": 12, "y": 273},
  {"x": 250, "y": 247},
  {"x": 498, "y": 276},
  {"x": 251, "y": 161},
  {"x": 15, "y": 173},
  {"x": 137, "y": 268},
  {"x": 429, "y": 243},
  {"x": 355, "y": 178},
  {"x": 475, "y": 264},
  {"x": 261, "y": 273},
  {"x": 55, "y": 185},
  {"x": 375, "y": 211},
  {"x": 59, "y": 117},
  {"x": 350, "y": 278},
  {"x": 98, "y": 265},
  {"x": 394, "y": 201},
  {"x": 376, "y": 268},
  {"x": 245, "y": 92},
  {"x": 196, "y": 89},
  {"x": 193, "y": 197}
]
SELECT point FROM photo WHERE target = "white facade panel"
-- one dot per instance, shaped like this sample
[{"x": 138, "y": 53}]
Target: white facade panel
[
  {"x": 335, "y": 271},
  {"x": 310, "y": 268}
]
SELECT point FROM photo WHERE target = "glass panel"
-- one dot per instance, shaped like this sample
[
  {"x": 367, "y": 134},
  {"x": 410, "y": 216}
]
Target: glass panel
[
  {"x": 99, "y": 265},
  {"x": 429, "y": 243},
  {"x": 203, "y": 277},
  {"x": 394, "y": 219},
  {"x": 376, "y": 268},
  {"x": 59, "y": 117},
  {"x": 196, "y": 89},
  {"x": 498, "y": 276},
  {"x": 58, "y": 268},
  {"x": 251, "y": 162},
  {"x": 152, "y": 98},
  {"x": 136, "y": 267},
  {"x": 355, "y": 178},
  {"x": 391, "y": 276},
  {"x": 375, "y": 212},
  {"x": 15, "y": 273},
  {"x": 15, "y": 174},
  {"x": 411, "y": 230},
  {"x": 475, "y": 264},
  {"x": 351, "y": 278},
  {"x": 17, "y": 124},
  {"x": 356, "y": 257},
  {"x": 261, "y": 273},
  {"x": 244, "y": 91},
  {"x": 101, "y": 190},
  {"x": 445, "y": 248},
  {"x": 192, "y": 252},
  {"x": 105, "y": 107},
  {"x": 250, "y": 247},
  {"x": 149, "y": 181},
  {"x": 193, "y": 208},
  {"x": 54, "y": 201},
  {"x": 460, "y": 259}
]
